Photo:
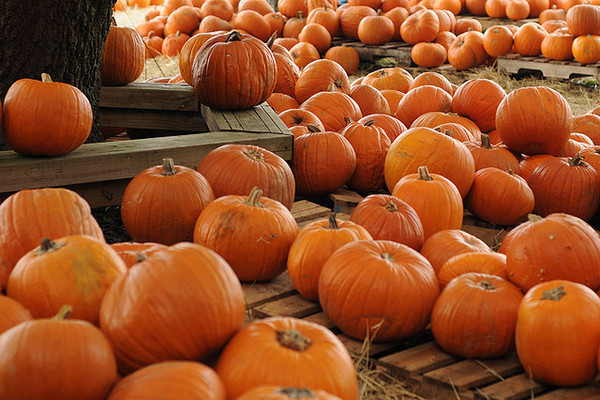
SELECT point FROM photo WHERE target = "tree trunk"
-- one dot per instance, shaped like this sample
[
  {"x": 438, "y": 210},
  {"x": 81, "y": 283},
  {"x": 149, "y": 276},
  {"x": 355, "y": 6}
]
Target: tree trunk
[{"x": 62, "y": 38}]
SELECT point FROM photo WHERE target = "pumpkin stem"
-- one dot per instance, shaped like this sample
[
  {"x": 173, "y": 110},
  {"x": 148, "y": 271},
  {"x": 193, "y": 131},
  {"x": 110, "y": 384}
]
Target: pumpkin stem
[
  {"x": 338, "y": 83},
  {"x": 293, "y": 339},
  {"x": 271, "y": 40},
  {"x": 295, "y": 393},
  {"x": 576, "y": 161},
  {"x": 150, "y": 34},
  {"x": 140, "y": 256},
  {"x": 47, "y": 246},
  {"x": 331, "y": 87},
  {"x": 168, "y": 167},
  {"x": 391, "y": 206},
  {"x": 313, "y": 128},
  {"x": 534, "y": 218},
  {"x": 347, "y": 120},
  {"x": 387, "y": 257},
  {"x": 254, "y": 197},
  {"x": 233, "y": 36},
  {"x": 113, "y": 21},
  {"x": 486, "y": 143},
  {"x": 63, "y": 313},
  {"x": 255, "y": 155},
  {"x": 300, "y": 15},
  {"x": 487, "y": 285},
  {"x": 46, "y": 78},
  {"x": 424, "y": 173},
  {"x": 332, "y": 222},
  {"x": 177, "y": 34},
  {"x": 447, "y": 132},
  {"x": 369, "y": 122},
  {"x": 554, "y": 294}
]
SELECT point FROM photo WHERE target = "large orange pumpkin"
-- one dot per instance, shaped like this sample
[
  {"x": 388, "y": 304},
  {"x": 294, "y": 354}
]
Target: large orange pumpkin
[
  {"x": 332, "y": 108},
  {"x": 150, "y": 315},
  {"x": 288, "y": 348},
  {"x": 124, "y": 56},
  {"x": 478, "y": 100},
  {"x": 321, "y": 75},
  {"x": 374, "y": 301},
  {"x": 45, "y": 118}
]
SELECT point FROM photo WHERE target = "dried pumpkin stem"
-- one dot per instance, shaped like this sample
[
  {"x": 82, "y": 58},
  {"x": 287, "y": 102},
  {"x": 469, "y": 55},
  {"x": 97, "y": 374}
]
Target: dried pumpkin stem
[
  {"x": 46, "y": 78},
  {"x": 387, "y": 257},
  {"x": 424, "y": 174},
  {"x": 293, "y": 339},
  {"x": 296, "y": 393},
  {"x": 534, "y": 218},
  {"x": 63, "y": 313},
  {"x": 486, "y": 143},
  {"x": 487, "y": 285},
  {"x": 271, "y": 40},
  {"x": 255, "y": 155},
  {"x": 332, "y": 222},
  {"x": 369, "y": 122},
  {"x": 391, "y": 206},
  {"x": 168, "y": 167},
  {"x": 555, "y": 294},
  {"x": 313, "y": 128},
  {"x": 254, "y": 197},
  {"x": 577, "y": 160},
  {"x": 48, "y": 246},
  {"x": 233, "y": 36}
]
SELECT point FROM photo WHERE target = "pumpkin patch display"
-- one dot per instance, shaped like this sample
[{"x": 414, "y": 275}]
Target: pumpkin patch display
[
  {"x": 232, "y": 220},
  {"x": 369, "y": 288},
  {"x": 292, "y": 352},
  {"x": 161, "y": 203},
  {"x": 65, "y": 359},
  {"x": 45, "y": 118},
  {"x": 243, "y": 61}
]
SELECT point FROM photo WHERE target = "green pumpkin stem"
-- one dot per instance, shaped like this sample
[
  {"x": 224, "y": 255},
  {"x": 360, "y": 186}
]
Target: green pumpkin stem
[
  {"x": 332, "y": 222},
  {"x": 168, "y": 167},
  {"x": 46, "y": 78},
  {"x": 47, "y": 246},
  {"x": 424, "y": 173},
  {"x": 254, "y": 197},
  {"x": 486, "y": 143},
  {"x": 293, "y": 339},
  {"x": 296, "y": 393},
  {"x": 555, "y": 294},
  {"x": 63, "y": 313},
  {"x": 487, "y": 285},
  {"x": 577, "y": 160}
]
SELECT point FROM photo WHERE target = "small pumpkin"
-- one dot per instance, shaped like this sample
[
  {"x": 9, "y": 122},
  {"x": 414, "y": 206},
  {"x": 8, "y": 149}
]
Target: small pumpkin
[
  {"x": 123, "y": 57},
  {"x": 443, "y": 245}
]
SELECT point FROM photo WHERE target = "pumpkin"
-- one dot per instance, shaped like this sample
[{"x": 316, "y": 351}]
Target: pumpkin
[
  {"x": 435, "y": 198},
  {"x": 467, "y": 50},
  {"x": 422, "y": 26},
  {"x": 369, "y": 99},
  {"x": 538, "y": 250},
  {"x": 496, "y": 8},
  {"x": 218, "y": 8},
  {"x": 298, "y": 116},
  {"x": 281, "y": 102},
  {"x": 397, "y": 15},
  {"x": 134, "y": 252},
  {"x": 551, "y": 178},
  {"x": 528, "y": 39},
  {"x": 498, "y": 40},
  {"x": 149, "y": 316},
  {"x": 173, "y": 44},
  {"x": 45, "y": 118},
  {"x": 436, "y": 118},
  {"x": 517, "y": 9},
  {"x": 586, "y": 49},
  {"x": 291, "y": 8},
  {"x": 289, "y": 347},
  {"x": 170, "y": 380},
  {"x": 317, "y": 35},
  {"x": 428, "y": 55},
  {"x": 370, "y": 144},
  {"x": 389, "y": 218},
  {"x": 322, "y": 162},
  {"x": 467, "y": 25},
  {"x": 332, "y": 108},
  {"x": 273, "y": 392},
  {"x": 321, "y": 75},
  {"x": 456, "y": 131},
  {"x": 375, "y": 30},
  {"x": 250, "y": 83},
  {"x": 433, "y": 79},
  {"x": 50, "y": 212},
  {"x": 392, "y": 97},
  {"x": 486, "y": 155},
  {"x": 350, "y": 19},
  {"x": 64, "y": 359},
  {"x": 12, "y": 313},
  {"x": 313, "y": 246},
  {"x": 210, "y": 24},
  {"x": 445, "y": 39},
  {"x": 252, "y": 23},
  {"x": 346, "y": 56},
  {"x": 389, "y": 78},
  {"x": 583, "y": 19},
  {"x": 260, "y": 6},
  {"x": 553, "y": 13},
  {"x": 558, "y": 46},
  {"x": 123, "y": 57},
  {"x": 540, "y": 111},
  {"x": 530, "y": 163},
  {"x": 421, "y": 100},
  {"x": 476, "y": 316},
  {"x": 277, "y": 21},
  {"x": 153, "y": 45},
  {"x": 500, "y": 197},
  {"x": 490, "y": 263},
  {"x": 326, "y": 17},
  {"x": 188, "y": 53},
  {"x": 376, "y": 307},
  {"x": 264, "y": 222},
  {"x": 86, "y": 267},
  {"x": 558, "y": 333},
  {"x": 589, "y": 125},
  {"x": 184, "y": 19},
  {"x": 478, "y": 100},
  {"x": 390, "y": 125},
  {"x": 161, "y": 203},
  {"x": 303, "y": 53},
  {"x": 293, "y": 26},
  {"x": 445, "y": 244},
  {"x": 441, "y": 154}
]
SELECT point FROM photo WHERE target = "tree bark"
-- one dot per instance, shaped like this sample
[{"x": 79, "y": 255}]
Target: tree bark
[{"x": 62, "y": 38}]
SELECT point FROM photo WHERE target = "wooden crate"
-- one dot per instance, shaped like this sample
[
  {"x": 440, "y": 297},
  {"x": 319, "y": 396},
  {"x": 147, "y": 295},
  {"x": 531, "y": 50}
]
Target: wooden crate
[
  {"x": 419, "y": 362},
  {"x": 515, "y": 64},
  {"x": 100, "y": 171}
]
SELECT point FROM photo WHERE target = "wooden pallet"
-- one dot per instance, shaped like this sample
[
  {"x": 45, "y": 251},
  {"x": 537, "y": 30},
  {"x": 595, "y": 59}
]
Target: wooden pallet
[
  {"x": 419, "y": 362},
  {"x": 100, "y": 171},
  {"x": 398, "y": 50},
  {"x": 487, "y": 22},
  {"x": 515, "y": 64}
]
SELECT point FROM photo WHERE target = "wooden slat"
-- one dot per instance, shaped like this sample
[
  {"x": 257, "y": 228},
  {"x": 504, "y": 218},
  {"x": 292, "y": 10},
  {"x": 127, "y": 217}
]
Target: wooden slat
[
  {"x": 305, "y": 211},
  {"x": 293, "y": 306},
  {"x": 355, "y": 346},
  {"x": 250, "y": 121},
  {"x": 518, "y": 387},
  {"x": 152, "y": 119},
  {"x": 468, "y": 374},
  {"x": 321, "y": 319},
  {"x": 98, "y": 162},
  {"x": 344, "y": 201},
  {"x": 268, "y": 114},
  {"x": 149, "y": 96},
  {"x": 417, "y": 360},
  {"x": 514, "y": 65},
  {"x": 258, "y": 293},
  {"x": 579, "y": 393},
  {"x": 215, "y": 119}
]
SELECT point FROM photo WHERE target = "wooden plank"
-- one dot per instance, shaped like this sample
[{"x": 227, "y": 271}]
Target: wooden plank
[
  {"x": 344, "y": 201},
  {"x": 515, "y": 65},
  {"x": 417, "y": 360},
  {"x": 268, "y": 114},
  {"x": 305, "y": 211},
  {"x": 357, "y": 347},
  {"x": 293, "y": 306},
  {"x": 250, "y": 121},
  {"x": 491, "y": 237},
  {"x": 152, "y": 119},
  {"x": 468, "y": 374},
  {"x": 257, "y": 293},
  {"x": 321, "y": 319},
  {"x": 149, "y": 96},
  {"x": 214, "y": 119},
  {"x": 578, "y": 393},
  {"x": 518, "y": 387},
  {"x": 98, "y": 162}
]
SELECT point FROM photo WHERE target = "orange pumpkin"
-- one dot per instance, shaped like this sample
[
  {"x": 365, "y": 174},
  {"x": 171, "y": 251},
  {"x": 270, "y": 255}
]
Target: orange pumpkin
[
  {"x": 490, "y": 263},
  {"x": 12, "y": 313},
  {"x": 442, "y": 246}
]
